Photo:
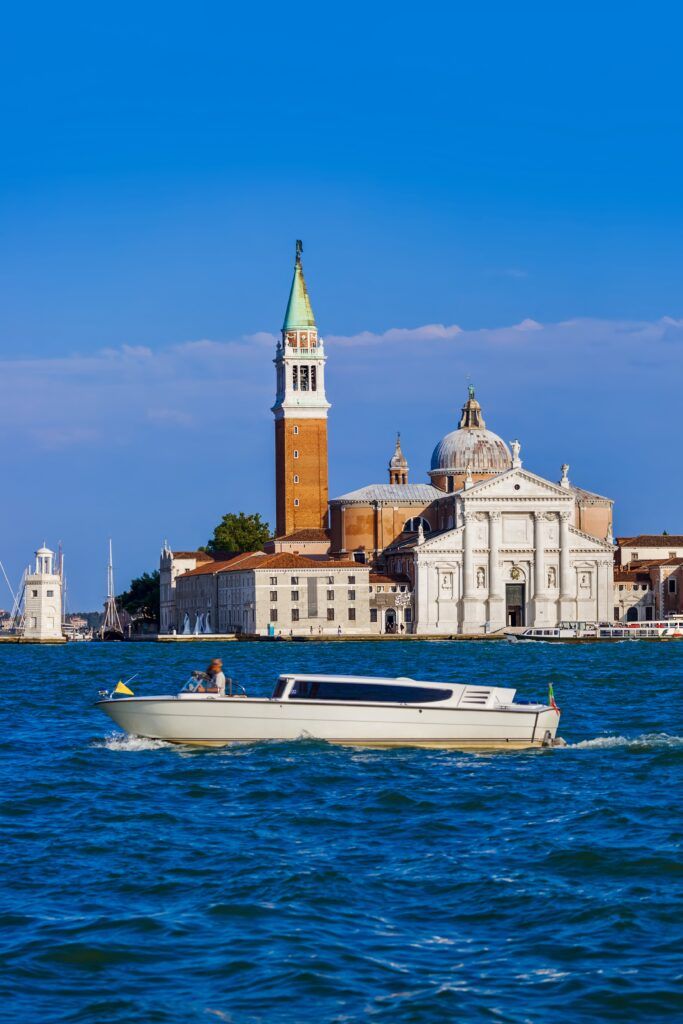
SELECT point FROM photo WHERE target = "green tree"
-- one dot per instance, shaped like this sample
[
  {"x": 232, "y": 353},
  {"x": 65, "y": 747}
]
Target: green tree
[
  {"x": 239, "y": 532},
  {"x": 141, "y": 600}
]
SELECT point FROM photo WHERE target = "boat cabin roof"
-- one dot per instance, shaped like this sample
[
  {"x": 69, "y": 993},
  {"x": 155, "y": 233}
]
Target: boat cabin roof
[{"x": 374, "y": 680}]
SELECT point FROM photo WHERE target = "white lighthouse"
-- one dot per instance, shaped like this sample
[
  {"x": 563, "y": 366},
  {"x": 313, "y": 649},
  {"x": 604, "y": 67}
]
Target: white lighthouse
[{"x": 43, "y": 599}]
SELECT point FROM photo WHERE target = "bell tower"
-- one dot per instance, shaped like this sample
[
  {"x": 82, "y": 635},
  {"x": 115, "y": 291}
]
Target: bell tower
[{"x": 300, "y": 412}]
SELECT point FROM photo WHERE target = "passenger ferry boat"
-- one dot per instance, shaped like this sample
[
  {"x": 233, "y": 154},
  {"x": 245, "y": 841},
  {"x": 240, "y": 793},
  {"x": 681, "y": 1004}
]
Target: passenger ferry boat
[
  {"x": 588, "y": 632},
  {"x": 349, "y": 710}
]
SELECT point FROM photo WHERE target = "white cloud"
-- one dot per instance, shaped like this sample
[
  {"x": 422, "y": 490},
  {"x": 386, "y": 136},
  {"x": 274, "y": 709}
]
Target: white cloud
[{"x": 76, "y": 400}]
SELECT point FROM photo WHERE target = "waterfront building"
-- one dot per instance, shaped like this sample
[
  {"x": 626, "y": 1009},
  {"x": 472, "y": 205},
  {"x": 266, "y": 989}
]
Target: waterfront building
[
  {"x": 279, "y": 594},
  {"x": 43, "y": 587},
  {"x": 648, "y": 577},
  {"x": 171, "y": 565},
  {"x": 300, "y": 410},
  {"x": 487, "y": 543}
]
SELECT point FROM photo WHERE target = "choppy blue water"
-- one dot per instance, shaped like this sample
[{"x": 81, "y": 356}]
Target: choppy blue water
[{"x": 304, "y": 882}]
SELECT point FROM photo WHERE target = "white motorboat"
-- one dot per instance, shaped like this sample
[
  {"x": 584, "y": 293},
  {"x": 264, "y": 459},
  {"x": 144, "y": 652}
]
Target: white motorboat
[{"x": 349, "y": 710}]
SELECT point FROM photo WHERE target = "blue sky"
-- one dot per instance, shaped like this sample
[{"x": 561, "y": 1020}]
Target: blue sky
[{"x": 478, "y": 166}]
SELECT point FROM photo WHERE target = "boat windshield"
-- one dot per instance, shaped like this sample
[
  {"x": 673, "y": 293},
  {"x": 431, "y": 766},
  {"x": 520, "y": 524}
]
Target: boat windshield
[
  {"x": 197, "y": 680},
  {"x": 376, "y": 693}
]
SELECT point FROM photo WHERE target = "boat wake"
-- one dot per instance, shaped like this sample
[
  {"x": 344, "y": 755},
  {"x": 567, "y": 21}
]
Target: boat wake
[
  {"x": 123, "y": 742},
  {"x": 646, "y": 741}
]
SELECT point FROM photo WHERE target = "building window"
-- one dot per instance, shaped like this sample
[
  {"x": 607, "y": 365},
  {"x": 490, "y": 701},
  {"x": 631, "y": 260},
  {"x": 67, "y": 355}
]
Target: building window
[
  {"x": 373, "y": 615},
  {"x": 672, "y": 554},
  {"x": 296, "y": 479},
  {"x": 303, "y": 375},
  {"x": 352, "y": 579},
  {"x": 273, "y": 595},
  {"x": 380, "y": 590},
  {"x": 352, "y": 614},
  {"x": 295, "y": 581},
  {"x": 649, "y": 614},
  {"x": 621, "y": 586},
  {"x": 634, "y": 556},
  {"x": 296, "y": 503},
  {"x": 296, "y": 454},
  {"x": 35, "y": 593},
  {"x": 295, "y": 430},
  {"x": 273, "y": 614},
  {"x": 413, "y": 525},
  {"x": 273, "y": 581},
  {"x": 352, "y": 595},
  {"x": 330, "y": 579},
  {"x": 50, "y": 593},
  {"x": 314, "y": 379},
  {"x": 295, "y": 614},
  {"x": 359, "y": 556},
  {"x": 672, "y": 586},
  {"x": 408, "y": 615},
  {"x": 295, "y": 378},
  {"x": 295, "y": 595},
  {"x": 330, "y": 595},
  {"x": 330, "y": 614},
  {"x": 616, "y": 614}
]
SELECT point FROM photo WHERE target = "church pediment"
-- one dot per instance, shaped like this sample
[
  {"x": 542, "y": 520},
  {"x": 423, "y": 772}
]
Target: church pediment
[
  {"x": 517, "y": 484},
  {"x": 445, "y": 542}
]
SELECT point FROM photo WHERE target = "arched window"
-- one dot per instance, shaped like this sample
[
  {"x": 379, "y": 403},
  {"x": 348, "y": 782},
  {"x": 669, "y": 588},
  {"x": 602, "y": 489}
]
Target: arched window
[
  {"x": 632, "y": 615},
  {"x": 413, "y": 525}
]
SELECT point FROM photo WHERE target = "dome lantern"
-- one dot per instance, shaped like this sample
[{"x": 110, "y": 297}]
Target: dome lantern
[{"x": 471, "y": 447}]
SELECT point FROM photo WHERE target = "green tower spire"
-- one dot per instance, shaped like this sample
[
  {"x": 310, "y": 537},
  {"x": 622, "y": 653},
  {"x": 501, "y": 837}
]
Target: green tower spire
[{"x": 299, "y": 313}]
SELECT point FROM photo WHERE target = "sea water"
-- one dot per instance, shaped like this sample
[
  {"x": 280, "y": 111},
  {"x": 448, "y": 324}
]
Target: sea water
[{"x": 305, "y": 882}]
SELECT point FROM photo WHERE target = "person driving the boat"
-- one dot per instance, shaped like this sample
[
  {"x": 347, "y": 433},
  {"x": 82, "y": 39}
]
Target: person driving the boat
[{"x": 213, "y": 680}]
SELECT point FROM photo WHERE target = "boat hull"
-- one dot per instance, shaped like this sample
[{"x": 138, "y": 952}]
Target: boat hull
[{"x": 218, "y": 722}]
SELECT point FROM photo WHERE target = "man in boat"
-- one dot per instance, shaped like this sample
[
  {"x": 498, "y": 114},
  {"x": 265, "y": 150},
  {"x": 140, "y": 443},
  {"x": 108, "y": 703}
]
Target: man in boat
[{"x": 213, "y": 680}]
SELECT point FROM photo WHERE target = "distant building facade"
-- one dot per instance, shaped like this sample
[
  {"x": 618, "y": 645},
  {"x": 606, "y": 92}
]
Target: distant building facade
[
  {"x": 648, "y": 577},
  {"x": 280, "y": 594}
]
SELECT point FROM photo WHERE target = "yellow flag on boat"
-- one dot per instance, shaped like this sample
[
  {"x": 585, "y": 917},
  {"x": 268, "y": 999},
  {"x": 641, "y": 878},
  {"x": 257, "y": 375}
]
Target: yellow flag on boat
[{"x": 122, "y": 688}]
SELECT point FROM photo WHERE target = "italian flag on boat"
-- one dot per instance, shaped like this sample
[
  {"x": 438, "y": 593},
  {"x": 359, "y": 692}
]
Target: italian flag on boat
[{"x": 551, "y": 698}]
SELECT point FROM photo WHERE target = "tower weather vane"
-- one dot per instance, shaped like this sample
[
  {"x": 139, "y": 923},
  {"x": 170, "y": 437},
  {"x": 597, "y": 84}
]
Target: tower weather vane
[{"x": 299, "y": 249}]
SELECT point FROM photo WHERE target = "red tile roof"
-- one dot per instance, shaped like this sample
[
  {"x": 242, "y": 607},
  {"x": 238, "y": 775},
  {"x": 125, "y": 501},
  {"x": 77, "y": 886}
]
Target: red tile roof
[
  {"x": 285, "y": 560},
  {"x": 212, "y": 567},
  {"x": 381, "y": 577},
  {"x": 321, "y": 535},
  {"x": 201, "y": 556},
  {"x": 652, "y": 540}
]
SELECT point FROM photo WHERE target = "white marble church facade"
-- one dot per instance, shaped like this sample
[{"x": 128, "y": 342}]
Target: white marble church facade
[{"x": 514, "y": 557}]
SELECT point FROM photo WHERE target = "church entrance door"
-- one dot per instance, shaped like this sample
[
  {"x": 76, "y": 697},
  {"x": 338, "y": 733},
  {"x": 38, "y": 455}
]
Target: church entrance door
[
  {"x": 514, "y": 604},
  {"x": 390, "y": 620}
]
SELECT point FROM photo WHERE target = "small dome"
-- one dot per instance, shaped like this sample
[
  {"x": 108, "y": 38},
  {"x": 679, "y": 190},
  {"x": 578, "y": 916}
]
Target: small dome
[
  {"x": 470, "y": 447},
  {"x": 44, "y": 551}
]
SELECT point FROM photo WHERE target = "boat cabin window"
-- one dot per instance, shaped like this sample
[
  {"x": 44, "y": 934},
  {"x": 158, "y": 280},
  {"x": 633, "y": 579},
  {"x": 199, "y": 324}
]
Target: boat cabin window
[
  {"x": 314, "y": 689},
  {"x": 279, "y": 689}
]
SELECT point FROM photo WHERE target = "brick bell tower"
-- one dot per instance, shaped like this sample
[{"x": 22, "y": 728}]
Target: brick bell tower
[{"x": 300, "y": 416}]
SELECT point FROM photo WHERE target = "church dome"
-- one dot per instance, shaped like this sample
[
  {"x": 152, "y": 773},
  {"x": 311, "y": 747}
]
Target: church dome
[{"x": 471, "y": 447}]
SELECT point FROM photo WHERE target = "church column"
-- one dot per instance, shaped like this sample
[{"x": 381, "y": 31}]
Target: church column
[
  {"x": 472, "y": 610},
  {"x": 567, "y": 603},
  {"x": 496, "y": 603},
  {"x": 540, "y": 591}
]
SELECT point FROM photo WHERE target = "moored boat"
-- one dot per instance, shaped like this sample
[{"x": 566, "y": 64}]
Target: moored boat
[
  {"x": 589, "y": 632},
  {"x": 349, "y": 710}
]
